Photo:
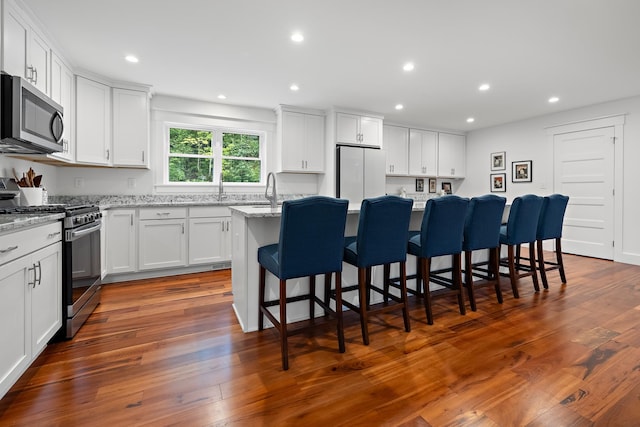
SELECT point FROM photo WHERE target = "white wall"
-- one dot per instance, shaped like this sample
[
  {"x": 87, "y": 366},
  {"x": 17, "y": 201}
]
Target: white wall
[
  {"x": 528, "y": 140},
  {"x": 49, "y": 173}
]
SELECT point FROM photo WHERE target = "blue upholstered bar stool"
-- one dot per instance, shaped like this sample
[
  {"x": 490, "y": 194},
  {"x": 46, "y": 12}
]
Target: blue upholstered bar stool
[
  {"x": 482, "y": 232},
  {"x": 383, "y": 230},
  {"x": 311, "y": 242},
  {"x": 440, "y": 234},
  {"x": 550, "y": 227},
  {"x": 521, "y": 228}
]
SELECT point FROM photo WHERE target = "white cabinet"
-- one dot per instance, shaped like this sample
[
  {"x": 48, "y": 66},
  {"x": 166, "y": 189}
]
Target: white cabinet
[
  {"x": 358, "y": 130},
  {"x": 209, "y": 235},
  {"x": 451, "y": 155},
  {"x": 30, "y": 297},
  {"x": 121, "y": 241},
  {"x": 130, "y": 128},
  {"x": 25, "y": 52},
  {"x": 300, "y": 142},
  {"x": 162, "y": 240},
  {"x": 103, "y": 246},
  {"x": 423, "y": 152},
  {"x": 396, "y": 144},
  {"x": 93, "y": 122},
  {"x": 63, "y": 92}
]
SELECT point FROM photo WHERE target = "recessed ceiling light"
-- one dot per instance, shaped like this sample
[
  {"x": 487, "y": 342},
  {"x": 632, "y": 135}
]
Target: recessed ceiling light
[
  {"x": 294, "y": 87},
  {"x": 131, "y": 58},
  {"x": 297, "y": 37},
  {"x": 399, "y": 107},
  {"x": 222, "y": 96},
  {"x": 484, "y": 86},
  {"x": 408, "y": 66},
  {"x": 471, "y": 120},
  {"x": 553, "y": 99}
]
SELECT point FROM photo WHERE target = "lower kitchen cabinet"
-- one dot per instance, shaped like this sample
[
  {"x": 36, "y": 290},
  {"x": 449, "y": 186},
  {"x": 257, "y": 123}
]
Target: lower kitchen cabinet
[
  {"x": 209, "y": 235},
  {"x": 30, "y": 298},
  {"x": 161, "y": 243},
  {"x": 120, "y": 242}
]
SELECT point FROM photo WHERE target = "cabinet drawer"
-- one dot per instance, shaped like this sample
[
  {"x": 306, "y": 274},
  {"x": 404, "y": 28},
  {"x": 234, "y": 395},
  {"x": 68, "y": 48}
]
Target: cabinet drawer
[
  {"x": 163, "y": 213},
  {"x": 208, "y": 211},
  {"x": 15, "y": 245}
]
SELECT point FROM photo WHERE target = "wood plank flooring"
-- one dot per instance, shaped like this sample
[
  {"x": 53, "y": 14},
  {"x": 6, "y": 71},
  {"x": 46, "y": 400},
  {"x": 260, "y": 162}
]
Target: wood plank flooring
[{"x": 170, "y": 352}]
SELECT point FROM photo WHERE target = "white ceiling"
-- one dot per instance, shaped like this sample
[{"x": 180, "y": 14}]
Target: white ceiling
[{"x": 583, "y": 51}]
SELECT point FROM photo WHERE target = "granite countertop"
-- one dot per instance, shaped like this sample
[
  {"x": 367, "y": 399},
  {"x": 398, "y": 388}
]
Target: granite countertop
[
  {"x": 12, "y": 222},
  {"x": 268, "y": 211}
]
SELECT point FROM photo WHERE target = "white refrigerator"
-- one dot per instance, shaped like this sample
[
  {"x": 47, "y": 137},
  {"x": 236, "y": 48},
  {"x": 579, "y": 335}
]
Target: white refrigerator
[{"x": 361, "y": 173}]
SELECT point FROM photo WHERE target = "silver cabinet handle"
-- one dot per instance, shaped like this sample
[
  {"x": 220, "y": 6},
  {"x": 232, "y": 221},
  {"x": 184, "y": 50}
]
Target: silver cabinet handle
[
  {"x": 29, "y": 283},
  {"x": 182, "y": 228},
  {"x": 163, "y": 213},
  {"x": 30, "y": 76},
  {"x": 9, "y": 249},
  {"x": 37, "y": 280},
  {"x": 108, "y": 154},
  {"x": 52, "y": 235},
  {"x": 142, "y": 156}
]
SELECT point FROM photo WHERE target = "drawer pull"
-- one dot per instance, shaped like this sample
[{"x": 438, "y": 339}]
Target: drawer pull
[
  {"x": 51, "y": 235},
  {"x": 9, "y": 249}
]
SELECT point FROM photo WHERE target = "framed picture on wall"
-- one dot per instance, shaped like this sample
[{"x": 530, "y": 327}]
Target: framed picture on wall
[
  {"x": 446, "y": 186},
  {"x": 498, "y": 182},
  {"x": 419, "y": 185},
  {"x": 521, "y": 171},
  {"x": 432, "y": 185},
  {"x": 498, "y": 161}
]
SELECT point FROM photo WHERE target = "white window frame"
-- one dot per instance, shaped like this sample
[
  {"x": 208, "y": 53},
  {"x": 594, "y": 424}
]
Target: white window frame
[{"x": 216, "y": 146}]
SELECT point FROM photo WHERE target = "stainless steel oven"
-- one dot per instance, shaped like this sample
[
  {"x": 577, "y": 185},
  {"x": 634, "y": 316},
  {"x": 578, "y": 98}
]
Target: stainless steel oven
[{"x": 81, "y": 269}]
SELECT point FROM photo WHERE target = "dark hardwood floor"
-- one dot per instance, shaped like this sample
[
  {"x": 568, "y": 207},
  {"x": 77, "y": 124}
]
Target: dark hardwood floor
[{"x": 170, "y": 352}]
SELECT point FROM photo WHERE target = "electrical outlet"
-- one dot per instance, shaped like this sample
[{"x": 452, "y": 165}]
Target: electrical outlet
[{"x": 78, "y": 183}]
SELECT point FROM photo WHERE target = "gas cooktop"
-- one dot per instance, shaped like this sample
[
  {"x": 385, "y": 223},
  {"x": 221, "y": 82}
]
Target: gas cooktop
[{"x": 69, "y": 210}]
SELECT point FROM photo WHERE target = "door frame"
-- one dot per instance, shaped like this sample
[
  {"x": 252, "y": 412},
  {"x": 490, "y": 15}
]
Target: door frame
[{"x": 617, "y": 122}]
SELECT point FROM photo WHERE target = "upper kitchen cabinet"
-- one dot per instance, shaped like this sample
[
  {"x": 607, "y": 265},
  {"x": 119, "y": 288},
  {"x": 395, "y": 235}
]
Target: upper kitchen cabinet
[
  {"x": 112, "y": 125},
  {"x": 451, "y": 155},
  {"x": 25, "y": 52},
  {"x": 130, "y": 128},
  {"x": 63, "y": 92},
  {"x": 423, "y": 153},
  {"x": 358, "y": 130},
  {"x": 300, "y": 142},
  {"x": 93, "y": 122},
  {"x": 396, "y": 142}
]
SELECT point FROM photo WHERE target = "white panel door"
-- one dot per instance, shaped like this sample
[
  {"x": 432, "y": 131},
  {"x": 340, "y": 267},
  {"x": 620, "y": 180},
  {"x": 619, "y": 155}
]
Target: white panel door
[{"x": 584, "y": 171}]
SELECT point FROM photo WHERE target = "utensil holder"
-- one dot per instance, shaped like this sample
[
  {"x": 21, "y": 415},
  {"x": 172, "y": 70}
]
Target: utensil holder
[{"x": 30, "y": 196}]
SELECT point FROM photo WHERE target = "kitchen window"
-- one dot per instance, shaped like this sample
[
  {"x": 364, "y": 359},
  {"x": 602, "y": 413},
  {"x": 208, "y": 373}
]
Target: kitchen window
[{"x": 198, "y": 155}]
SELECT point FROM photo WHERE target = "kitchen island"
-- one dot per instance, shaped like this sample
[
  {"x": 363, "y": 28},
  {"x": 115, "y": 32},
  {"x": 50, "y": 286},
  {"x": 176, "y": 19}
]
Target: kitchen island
[{"x": 256, "y": 226}]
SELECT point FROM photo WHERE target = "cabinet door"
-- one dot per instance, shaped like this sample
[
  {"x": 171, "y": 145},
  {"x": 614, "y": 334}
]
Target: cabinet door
[
  {"x": 15, "y": 37},
  {"x": 314, "y": 143},
  {"x": 15, "y": 355},
  {"x": 62, "y": 92},
  {"x": 347, "y": 128},
  {"x": 396, "y": 143},
  {"x": 293, "y": 141},
  {"x": 130, "y": 128},
  {"x": 451, "y": 155},
  {"x": 161, "y": 243},
  {"x": 121, "y": 241},
  {"x": 371, "y": 131},
  {"x": 208, "y": 240},
  {"x": 46, "y": 297},
  {"x": 93, "y": 122},
  {"x": 423, "y": 149},
  {"x": 39, "y": 60}
]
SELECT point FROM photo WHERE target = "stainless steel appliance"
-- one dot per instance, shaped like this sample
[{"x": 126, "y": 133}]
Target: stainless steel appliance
[
  {"x": 360, "y": 173},
  {"x": 30, "y": 122},
  {"x": 81, "y": 270}
]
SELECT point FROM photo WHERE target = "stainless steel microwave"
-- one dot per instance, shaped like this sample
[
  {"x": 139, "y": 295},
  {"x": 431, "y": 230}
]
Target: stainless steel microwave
[{"x": 30, "y": 121}]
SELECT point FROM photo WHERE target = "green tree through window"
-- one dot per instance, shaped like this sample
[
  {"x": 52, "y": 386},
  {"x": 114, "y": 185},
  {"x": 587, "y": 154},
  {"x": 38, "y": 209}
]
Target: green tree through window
[{"x": 197, "y": 156}]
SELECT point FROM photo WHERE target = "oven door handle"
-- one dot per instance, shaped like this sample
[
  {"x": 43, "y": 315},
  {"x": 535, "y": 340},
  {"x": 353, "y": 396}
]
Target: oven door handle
[{"x": 76, "y": 234}]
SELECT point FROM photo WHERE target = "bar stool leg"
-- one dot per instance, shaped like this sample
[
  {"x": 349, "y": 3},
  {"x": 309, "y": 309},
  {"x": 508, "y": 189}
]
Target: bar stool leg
[
  {"x": 425, "y": 264},
  {"x": 327, "y": 292},
  {"x": 494, "y": 263},
  {"x": 457, "y": 281},
  {"x": 261, "y": 286},
  {"x": 468, "y": 279},
  {"x": 512, "y": 272},
  {"x": 312, "y": 302},
  {"x": 403, "y": 296},
  {"x": 532, "y": 265},
  {"x": 559, "y": 260},
  {"x": 339, "y": 310},
  {"x": 362, "y": 288},
  {"x": 385, "y": 281},
  {"x": 541, "y": 267},
  {"x": 283, "y": 325}
]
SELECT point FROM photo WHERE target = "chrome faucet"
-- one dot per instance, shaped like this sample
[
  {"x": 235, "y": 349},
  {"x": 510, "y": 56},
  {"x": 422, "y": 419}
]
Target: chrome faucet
[
  {"x": 220, "y": 188},
  {"x": 273, "y": 198}
]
